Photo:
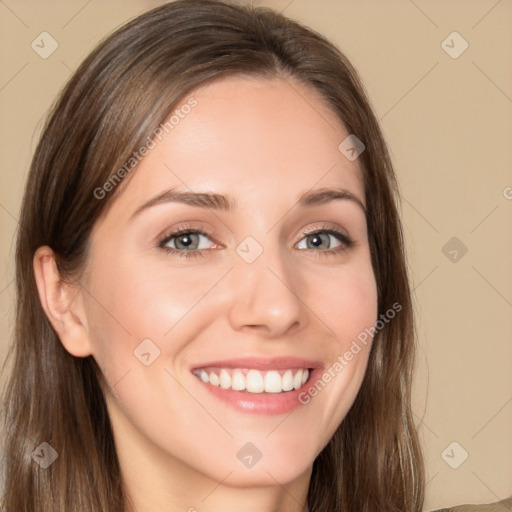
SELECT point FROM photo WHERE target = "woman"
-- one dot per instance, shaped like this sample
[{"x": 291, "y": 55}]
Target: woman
[{"x": 184, "y": 341}]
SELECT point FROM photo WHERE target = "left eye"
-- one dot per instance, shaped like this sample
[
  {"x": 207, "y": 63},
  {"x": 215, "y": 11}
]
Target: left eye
[{"x": 318, "y": 238}]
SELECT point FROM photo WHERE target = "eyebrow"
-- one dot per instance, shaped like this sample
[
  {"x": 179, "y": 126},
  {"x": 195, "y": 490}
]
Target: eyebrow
[{"x": 225, "y": 203}]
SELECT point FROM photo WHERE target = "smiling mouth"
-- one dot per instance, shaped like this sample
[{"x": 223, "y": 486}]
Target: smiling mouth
[{"x": 254, "y": 381}]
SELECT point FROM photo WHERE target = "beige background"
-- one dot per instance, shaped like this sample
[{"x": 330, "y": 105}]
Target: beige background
[{"x": 448, "y": 123}]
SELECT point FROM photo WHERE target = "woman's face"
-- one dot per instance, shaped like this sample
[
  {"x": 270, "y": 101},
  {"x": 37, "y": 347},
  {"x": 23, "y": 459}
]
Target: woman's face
[{"x": 268, "y": 281}]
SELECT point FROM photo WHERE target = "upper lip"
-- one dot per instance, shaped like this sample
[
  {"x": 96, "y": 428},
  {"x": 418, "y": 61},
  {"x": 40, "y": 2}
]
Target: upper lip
[{"x": 261, "y": 363}]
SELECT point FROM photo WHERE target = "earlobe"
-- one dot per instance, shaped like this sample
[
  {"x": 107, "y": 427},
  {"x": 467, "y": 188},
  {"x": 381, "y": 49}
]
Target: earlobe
[{"x": 61, "y": 303}]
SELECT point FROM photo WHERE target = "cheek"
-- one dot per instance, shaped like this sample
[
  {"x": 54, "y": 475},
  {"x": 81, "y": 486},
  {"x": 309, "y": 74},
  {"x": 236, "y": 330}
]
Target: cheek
[
  {"x": 345, "y": 299},
  {"x": 347, "y": 305},
  {"x": 131, "y": 302}
]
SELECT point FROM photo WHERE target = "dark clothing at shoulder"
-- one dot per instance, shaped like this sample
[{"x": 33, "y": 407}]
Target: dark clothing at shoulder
[{"x": 498, "y": 506}]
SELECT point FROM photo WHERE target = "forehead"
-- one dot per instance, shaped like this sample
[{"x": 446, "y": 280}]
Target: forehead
[{"x": 252, "y": 138}]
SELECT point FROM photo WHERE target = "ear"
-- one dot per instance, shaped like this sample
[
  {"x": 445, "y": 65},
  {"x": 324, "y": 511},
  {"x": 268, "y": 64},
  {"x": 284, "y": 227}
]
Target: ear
[{"x": 62, "y": 303}]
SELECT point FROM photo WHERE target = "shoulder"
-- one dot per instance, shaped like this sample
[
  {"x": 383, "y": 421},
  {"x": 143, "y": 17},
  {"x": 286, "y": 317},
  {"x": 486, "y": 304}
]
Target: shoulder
[{"x": 498, "y": 506}]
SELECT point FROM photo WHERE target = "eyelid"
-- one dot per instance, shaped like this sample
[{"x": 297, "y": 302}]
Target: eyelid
[
  {"x": 180, "y": 230},
  {"x": 324, "y": 227}
]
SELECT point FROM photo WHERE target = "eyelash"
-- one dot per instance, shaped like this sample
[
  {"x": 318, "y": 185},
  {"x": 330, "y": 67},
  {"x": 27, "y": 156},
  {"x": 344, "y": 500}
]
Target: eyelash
[{"x": 346, "y": 242}]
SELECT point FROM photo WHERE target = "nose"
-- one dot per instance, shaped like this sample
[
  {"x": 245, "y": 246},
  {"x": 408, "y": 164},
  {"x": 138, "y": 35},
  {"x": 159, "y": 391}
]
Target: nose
[{"x": 265, "y": 297}]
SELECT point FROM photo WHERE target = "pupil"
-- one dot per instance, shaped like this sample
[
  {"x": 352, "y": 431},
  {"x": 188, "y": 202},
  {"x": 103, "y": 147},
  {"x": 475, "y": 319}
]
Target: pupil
[{"x": 187, "y": 241}]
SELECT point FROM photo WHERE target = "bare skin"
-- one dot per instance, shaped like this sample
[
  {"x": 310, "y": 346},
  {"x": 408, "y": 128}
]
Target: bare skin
[{"x": 263, "y": 144}]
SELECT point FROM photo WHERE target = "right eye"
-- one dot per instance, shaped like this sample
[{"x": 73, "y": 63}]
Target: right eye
[{"x": 185, "y": 242}]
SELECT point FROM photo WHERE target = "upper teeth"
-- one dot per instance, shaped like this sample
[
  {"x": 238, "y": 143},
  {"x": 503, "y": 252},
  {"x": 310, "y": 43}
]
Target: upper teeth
[{"x": 254, "y": 381}]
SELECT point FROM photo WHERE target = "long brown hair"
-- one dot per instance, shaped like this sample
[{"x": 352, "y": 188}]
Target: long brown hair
[{"x": 116, "y": 99}]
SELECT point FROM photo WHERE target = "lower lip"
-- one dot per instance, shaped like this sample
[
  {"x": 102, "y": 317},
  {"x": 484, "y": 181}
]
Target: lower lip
[{"x": 263, "y": 403}]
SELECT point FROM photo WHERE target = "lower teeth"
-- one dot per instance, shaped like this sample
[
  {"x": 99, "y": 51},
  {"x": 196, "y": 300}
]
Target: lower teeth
[{"x": 254, "y": 392}]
